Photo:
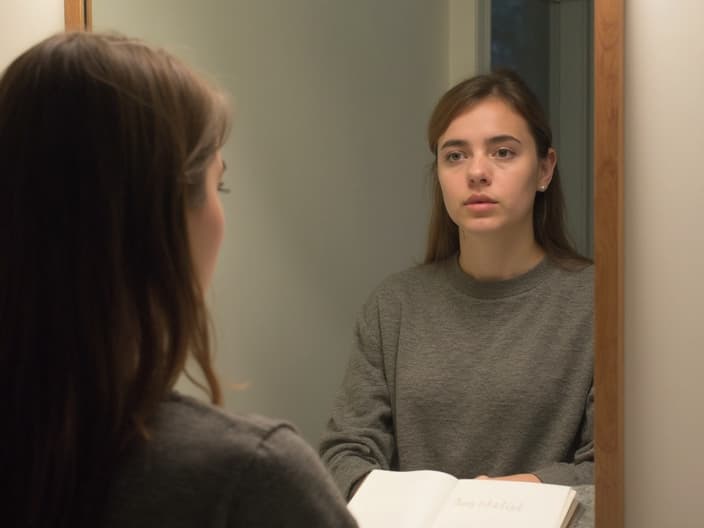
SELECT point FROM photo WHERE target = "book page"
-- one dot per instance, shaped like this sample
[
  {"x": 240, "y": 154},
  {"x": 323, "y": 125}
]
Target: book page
[
  {"x": 408, "y": 499},
  {"x": 505, "y": 504}
]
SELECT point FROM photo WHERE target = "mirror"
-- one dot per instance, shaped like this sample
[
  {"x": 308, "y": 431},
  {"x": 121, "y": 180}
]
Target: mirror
[{"x": 384, "y": 152}]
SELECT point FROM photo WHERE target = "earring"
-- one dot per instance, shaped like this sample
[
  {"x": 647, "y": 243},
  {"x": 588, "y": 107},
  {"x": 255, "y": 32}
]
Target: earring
[{"x": 542, "y": 188}]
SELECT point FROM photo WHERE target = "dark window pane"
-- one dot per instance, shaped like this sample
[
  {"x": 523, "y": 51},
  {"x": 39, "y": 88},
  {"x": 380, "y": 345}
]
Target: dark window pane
[{"x": 520, "y": 40}]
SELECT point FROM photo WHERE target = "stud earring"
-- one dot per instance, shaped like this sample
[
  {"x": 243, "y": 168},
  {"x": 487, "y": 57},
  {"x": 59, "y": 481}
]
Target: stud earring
[{"x": 542, "y": 187}]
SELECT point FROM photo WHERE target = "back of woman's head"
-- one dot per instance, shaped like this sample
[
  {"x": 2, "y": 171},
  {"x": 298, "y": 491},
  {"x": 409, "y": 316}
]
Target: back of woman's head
[{"x": 104, "y": 143}]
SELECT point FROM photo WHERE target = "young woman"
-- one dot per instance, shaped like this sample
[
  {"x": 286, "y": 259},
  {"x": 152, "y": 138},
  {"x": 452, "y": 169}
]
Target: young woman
[
  {"x": 478, "y": 362},
  {"x": 110, "y": 171}
]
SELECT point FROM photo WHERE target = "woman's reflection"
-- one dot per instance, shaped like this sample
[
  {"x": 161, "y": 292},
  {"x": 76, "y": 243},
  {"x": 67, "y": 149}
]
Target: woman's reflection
[{"x": 478, "y": 362}]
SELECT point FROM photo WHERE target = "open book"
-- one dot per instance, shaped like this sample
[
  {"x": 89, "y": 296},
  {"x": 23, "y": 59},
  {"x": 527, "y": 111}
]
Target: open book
[{"x": 432, "y": 499}]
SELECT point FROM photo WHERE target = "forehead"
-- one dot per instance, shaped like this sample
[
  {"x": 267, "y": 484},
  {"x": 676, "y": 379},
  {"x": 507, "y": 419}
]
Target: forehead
[{"x": 487, "y": 118}]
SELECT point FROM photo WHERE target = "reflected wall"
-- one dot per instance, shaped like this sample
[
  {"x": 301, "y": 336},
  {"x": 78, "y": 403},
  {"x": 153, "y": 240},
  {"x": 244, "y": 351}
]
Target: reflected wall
[{"x": 328, "y": 168}]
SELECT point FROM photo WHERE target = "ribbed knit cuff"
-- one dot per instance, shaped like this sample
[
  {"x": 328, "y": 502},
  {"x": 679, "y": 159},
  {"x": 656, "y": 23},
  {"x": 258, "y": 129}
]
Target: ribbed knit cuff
[{"x": 348, "y": 471}]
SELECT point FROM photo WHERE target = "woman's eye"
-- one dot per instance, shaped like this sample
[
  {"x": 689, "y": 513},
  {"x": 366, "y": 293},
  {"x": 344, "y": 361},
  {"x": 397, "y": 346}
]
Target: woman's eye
[
  {"x": 503, "y": 153},
  {"x": 454, "y": 156},
  {"x": 223, "y": 188}
]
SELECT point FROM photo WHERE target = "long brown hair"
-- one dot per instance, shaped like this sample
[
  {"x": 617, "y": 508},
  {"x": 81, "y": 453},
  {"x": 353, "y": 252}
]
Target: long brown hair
[
  {"x": 549, "y": 207},
  {"x": 104, "y": 143}
]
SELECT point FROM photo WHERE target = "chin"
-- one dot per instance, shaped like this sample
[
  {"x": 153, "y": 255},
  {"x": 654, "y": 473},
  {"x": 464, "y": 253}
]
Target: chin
[{"x": 481, "y": 227}]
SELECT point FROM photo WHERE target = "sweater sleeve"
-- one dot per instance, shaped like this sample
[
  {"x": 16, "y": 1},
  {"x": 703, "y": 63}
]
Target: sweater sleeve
[
  {"x": 288, "y": 486},
  {"x": 580, "y": 470},
  {"x": 359, "y": 436}
]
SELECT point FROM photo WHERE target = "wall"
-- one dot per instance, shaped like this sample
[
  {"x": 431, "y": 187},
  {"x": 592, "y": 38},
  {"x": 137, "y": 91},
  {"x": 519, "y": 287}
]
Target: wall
[
  {"x": 469, "y": 38},
  {"x": 23, "y": 23},
  {"x": 664, "y": 259},
  {"x": 327, "y": 164}
]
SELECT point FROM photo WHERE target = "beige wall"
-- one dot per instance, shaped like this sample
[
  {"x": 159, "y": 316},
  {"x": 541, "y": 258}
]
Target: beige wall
[
  {"x": 664, "y": 259},
  {"x": 24, "y": 22},
  {"x": 469, "y": 33}
]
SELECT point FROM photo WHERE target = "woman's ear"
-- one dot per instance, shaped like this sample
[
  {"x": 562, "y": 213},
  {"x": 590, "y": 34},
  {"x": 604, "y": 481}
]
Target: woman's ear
[{"x": 546, "y": 168}]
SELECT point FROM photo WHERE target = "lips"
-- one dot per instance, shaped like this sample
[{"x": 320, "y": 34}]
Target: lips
[{"x": 479, "y": 199}]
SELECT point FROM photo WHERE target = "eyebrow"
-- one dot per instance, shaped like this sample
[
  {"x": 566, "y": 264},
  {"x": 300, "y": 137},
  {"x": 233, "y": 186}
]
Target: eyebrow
[{"x": 491, "y": 141}]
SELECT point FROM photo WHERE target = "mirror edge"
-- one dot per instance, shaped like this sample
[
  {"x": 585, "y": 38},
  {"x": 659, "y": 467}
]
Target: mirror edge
[
  {"x": 608, "y": 248},
  {"x": 608, "y": 255}
]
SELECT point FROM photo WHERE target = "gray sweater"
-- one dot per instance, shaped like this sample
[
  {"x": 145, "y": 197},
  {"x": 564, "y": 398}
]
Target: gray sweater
[
  {"x": 469, "y": 377},
  {"x": 203, "y": 468}
]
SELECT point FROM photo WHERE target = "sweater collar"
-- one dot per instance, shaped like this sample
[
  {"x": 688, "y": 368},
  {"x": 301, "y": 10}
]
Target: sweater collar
[{"x": 498, "y": 289}]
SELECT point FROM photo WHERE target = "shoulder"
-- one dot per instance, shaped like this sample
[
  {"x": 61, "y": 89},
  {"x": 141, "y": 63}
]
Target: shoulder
[
  {"x": 192, "y": 439},
  {"x": 184, "y": 420},
  {"x": 579, "y": 281},
  {"x": 201, "y": 461},
  {"x": 275, "y": 476},
  {"x": 287, "y": 485},
  {"x": 573, "y": 288},
  {"x": 420, "y": 279},
  {"x": 406, "y": 294},
  {"x": 256, "y": 444}
]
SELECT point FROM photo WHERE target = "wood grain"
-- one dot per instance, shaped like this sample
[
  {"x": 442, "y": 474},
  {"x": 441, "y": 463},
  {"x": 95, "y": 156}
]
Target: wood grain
[
  {"x": 608, "y": 256},
  {"x": 76, "y": 15}
]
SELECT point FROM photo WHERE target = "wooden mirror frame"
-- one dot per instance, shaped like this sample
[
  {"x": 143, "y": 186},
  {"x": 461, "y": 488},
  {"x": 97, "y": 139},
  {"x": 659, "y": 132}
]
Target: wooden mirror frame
[
  {"x": 608, "y": 249},
  {"x": 609, "y": 27},
  {"x": 78, "y": 15}
]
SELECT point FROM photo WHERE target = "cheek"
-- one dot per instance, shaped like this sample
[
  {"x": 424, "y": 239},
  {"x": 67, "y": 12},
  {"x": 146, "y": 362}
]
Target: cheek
[
  {"x": 214, "y": 227},
  {"x": 206, "y": 229},
  {"x": 218, "y": 226},
  {"x": 523, "y": 183},
  {"x": 452, "y": 193},
  {"x": 447, "y": 184}
]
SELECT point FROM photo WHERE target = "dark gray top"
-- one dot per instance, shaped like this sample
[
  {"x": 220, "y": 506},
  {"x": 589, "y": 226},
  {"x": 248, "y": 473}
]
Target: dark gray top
[
  {"x": 204, "y": 468},
  {"x": 584, "y": 515},
  {"x": 469, "y": 377}
]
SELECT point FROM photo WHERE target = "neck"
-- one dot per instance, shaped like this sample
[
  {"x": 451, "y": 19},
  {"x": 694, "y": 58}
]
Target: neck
[{"x": 488, "y": 257}]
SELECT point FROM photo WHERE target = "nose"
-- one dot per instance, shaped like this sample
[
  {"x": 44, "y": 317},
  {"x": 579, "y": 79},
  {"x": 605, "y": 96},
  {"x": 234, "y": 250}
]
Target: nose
[{"x": 478, "y": 171}]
